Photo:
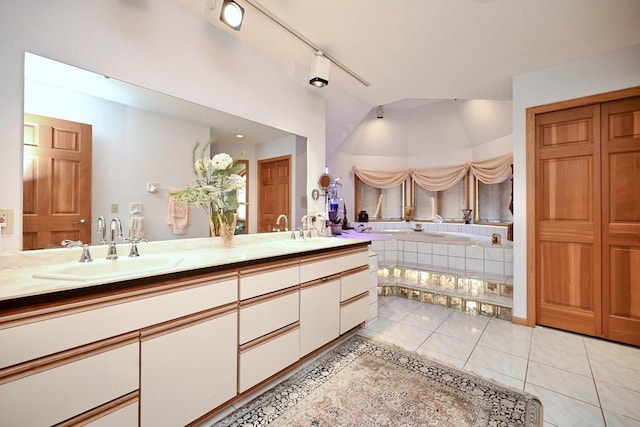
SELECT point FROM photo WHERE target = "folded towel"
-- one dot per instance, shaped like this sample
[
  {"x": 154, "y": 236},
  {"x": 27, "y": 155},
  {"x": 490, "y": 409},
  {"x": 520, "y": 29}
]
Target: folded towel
[
  {"x": 178, "y": 216},
  {"x": 136, "y": 227}
]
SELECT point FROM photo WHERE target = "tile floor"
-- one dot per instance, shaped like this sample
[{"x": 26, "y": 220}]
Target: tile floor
[{"x": 581, "y": 381}]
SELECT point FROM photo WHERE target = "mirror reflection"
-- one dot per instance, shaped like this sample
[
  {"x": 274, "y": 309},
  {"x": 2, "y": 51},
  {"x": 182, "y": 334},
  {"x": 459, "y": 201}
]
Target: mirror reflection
[{"x": 137, "y": 147}]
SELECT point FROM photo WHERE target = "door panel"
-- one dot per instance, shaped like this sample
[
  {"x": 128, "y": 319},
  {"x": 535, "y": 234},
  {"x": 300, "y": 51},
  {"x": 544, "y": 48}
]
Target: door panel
[
  {"x": 56, "y": 182},
  {"x": 568, "y": 220},
  {"x": 274, "y": 192},
  {"x": 621, "y": 220}
]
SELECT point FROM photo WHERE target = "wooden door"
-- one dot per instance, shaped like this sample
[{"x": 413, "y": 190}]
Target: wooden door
[
  {"x": 568, "y": 218},
  {"x": 274, "y": 194},
  {"x": 56, "y": 182},
  {"x": 621, "y": 220}
]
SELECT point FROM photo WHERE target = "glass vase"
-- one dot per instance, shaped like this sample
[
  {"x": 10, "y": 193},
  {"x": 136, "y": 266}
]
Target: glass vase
[{"x": 227, "y": 228}]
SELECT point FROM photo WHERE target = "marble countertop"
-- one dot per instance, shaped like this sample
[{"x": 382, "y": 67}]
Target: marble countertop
[{"x": 32, "y": 273}]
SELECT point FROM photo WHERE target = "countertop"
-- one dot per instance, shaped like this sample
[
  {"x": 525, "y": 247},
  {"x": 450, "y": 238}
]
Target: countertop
[{"x": 43, "y": 272}]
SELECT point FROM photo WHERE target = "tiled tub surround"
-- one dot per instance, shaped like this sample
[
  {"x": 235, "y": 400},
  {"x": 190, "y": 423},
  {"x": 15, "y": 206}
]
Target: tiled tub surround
[{"x": 453, "y": 265}]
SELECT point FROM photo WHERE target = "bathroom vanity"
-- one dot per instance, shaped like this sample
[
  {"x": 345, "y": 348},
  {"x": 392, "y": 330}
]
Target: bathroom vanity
[{"x": 170, "y": 340}]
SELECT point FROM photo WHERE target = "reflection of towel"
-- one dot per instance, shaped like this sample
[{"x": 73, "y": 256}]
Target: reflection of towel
[
  {"x": 136, "y": 227},
  {"x": 178, "y": 217}
]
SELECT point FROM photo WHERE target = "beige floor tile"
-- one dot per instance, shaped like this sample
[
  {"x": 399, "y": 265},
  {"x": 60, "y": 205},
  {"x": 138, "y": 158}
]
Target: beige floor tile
[
  {"x": 559, "y": 340},
  {"x": 615, "y": 374},
  {"x": 497, "y": 361},
  {"x": 576, "y": 363},
  {"x": 613, "y": 353},
  {"x": 617, "y": 420},
  {"x": 504, "y": 342},
  {"x": 564, "y": 411},
  {"x": 619, "y": 400},
  {"x": 563, "y": 382},
  {"x": 407, "y": 333},
  {"x": 445, "y": 344}
]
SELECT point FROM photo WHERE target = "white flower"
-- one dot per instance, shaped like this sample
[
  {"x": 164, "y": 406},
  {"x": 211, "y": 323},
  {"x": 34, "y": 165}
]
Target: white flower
[
  {"x": 222, "y": 161},
  {"x": 235, "y": 182}
]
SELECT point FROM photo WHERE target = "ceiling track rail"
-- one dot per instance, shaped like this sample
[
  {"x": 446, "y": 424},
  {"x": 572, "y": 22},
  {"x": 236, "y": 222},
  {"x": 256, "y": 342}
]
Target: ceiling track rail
[{"x": 305, "y": 40}]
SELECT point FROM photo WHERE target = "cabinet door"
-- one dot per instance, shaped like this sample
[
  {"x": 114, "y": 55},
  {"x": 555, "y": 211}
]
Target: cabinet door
[
  {"x": 62, "y": 386},
  {"x": 188, "y": 368},
  {"x": 319, "y": 314}
]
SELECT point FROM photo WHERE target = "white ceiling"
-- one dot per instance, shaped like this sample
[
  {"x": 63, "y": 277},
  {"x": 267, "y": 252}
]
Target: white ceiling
[{"x": 411, "y": 50}]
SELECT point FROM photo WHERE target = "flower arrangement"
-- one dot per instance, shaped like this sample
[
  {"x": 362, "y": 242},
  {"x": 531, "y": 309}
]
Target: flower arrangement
[{"x": 215, "y": 187}]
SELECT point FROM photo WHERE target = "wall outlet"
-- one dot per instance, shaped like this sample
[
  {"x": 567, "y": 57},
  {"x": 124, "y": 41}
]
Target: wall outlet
[
  {"x": 114, "y": 208},
  {"x": 6, "y": 217}
]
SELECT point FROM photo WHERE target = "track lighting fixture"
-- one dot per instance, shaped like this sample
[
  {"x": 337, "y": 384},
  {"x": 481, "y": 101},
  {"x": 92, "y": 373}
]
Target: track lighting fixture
[
  {"x": 232, "y": 14},
  {"x": 380, "y": 112},
  {"x": 319, "y": 76}
]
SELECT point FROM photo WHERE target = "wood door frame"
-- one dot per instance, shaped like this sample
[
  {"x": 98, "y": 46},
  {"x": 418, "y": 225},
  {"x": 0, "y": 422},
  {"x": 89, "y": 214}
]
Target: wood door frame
[{"x": 531, "y": 183}]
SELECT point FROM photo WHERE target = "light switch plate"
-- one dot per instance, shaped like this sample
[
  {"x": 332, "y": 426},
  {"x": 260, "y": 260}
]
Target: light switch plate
[{"x": 6, "y": 217}]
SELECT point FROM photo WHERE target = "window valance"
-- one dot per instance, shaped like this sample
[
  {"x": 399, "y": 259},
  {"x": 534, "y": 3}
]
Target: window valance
[
  {"x": 440, "y": 178},
  {"x": 493, "y": 171},
  {"x": 381, "y": 179}
]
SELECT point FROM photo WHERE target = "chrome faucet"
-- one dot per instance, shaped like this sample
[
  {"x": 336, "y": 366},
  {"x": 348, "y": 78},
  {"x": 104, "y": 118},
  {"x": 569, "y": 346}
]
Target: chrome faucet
[
  {"x": 116, "y": 231},
  {"x": 86, "y": 256},
  {"x": 102, "y": 230},
  {"x": 306, "y": 225},
  {"x": 286, "y": 222}
]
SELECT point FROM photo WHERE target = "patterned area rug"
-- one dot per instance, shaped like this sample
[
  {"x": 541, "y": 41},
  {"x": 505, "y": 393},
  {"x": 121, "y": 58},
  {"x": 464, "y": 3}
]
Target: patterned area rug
[{"x": 364, "y": 382}]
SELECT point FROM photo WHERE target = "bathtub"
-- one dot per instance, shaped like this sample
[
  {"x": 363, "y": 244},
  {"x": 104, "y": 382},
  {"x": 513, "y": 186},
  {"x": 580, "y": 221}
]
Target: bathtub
[{"x": 417, "y": 236}]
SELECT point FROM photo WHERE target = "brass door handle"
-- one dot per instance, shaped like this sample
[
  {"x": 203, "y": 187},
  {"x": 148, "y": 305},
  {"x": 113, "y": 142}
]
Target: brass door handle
[{"x": 81, "y": 222}]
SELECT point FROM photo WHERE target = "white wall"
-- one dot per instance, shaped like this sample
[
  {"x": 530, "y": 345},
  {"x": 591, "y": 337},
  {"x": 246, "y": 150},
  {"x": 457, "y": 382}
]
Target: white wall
[
  {"x": 598, "y": 74},
  {"x": 155, "y": 44}
]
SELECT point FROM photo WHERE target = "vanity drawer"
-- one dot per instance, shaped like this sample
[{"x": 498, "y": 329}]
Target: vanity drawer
[
  {"x": 354, "y": 283},
  {"x": 48, "y": 331},
  {"x": 263, "y": 315},
  {"x": 353, "y": 312},
  {"x": 268, "y": 278},
  {"x": 328, "y": 265},
  {"x": 55, "y": 389},
  {"x": 261, "y": 360}
]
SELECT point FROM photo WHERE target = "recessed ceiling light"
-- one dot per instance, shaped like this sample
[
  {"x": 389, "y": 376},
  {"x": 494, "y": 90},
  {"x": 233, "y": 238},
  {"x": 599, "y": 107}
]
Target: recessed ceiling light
[{"x": 239, "y": 135}]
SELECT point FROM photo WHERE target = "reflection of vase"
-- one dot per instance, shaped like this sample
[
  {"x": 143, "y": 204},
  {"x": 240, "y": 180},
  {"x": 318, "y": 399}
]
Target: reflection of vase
[{"x": 227, "y": 228}]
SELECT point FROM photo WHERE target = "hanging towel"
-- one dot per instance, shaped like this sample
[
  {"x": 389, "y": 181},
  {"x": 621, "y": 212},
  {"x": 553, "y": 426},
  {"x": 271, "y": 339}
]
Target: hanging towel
[
  {"x": 136, "y": 227},
  {"x": 178, "y": 216}
]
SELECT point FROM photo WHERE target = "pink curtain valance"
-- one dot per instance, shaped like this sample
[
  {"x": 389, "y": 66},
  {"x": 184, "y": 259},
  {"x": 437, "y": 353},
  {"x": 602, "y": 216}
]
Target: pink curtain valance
[
  {"x": 381, "y": 179},
  {"x": 493, "y": 171},
  {"x": 438, "y": 178}
]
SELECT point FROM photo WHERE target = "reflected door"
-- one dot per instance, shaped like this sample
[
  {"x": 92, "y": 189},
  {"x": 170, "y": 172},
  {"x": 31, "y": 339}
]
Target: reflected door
[
  {"x": 621, "y": 220},
  {"x": 274, "y": 192},
  {"x": 57, "y": 182}
]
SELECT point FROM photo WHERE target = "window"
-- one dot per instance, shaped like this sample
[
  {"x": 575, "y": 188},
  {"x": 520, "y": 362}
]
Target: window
[
  {"x": 448, "y": 203},
  {"x": 492, "y": 202},
  {"x": 379, "y": 203}
]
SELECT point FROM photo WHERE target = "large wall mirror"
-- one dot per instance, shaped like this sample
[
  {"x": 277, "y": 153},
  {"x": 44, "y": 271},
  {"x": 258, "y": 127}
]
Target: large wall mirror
[{"x": 141, "y": 150}]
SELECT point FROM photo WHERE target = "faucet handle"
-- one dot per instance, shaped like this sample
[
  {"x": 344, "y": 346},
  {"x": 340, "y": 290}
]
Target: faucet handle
[
  {"x": 134, "y": 245},
  {"x": 71, "y": 243}
]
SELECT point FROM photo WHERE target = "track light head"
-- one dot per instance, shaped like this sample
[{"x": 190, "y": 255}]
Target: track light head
[
  {"x": 232, "y": 14},
  {"x": 319, "y": 75},
  {"x": 380, "y": 112}
]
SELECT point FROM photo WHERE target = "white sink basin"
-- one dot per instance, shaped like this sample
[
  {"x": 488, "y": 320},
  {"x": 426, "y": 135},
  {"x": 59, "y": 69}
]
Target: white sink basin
[{"x": 104, "y": 268}]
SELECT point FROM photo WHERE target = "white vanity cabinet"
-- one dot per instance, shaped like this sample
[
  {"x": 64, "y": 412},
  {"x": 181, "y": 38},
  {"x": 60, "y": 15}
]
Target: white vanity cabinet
[
  {"x": 268, "y": 321},
  {"x": 320, "y": 295}
]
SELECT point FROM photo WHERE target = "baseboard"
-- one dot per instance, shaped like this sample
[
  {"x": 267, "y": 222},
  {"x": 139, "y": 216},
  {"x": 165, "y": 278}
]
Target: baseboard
[{"x": 521, "y": 321}]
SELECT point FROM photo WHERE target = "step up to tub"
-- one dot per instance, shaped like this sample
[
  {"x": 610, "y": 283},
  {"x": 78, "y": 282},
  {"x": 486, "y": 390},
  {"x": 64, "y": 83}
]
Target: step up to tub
[{"x": 489, "y": 296}]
